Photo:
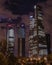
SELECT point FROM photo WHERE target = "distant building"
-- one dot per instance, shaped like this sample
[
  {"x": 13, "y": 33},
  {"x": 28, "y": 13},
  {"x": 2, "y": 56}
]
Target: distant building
[{"x": 14, "y": 36}]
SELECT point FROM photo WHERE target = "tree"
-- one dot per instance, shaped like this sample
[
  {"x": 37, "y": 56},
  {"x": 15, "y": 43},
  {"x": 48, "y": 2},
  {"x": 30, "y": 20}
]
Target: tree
[
  {"x": 11, "y": 59},
  {"x": 3, "y": 59},
  {"x": 3, "y": 45}
]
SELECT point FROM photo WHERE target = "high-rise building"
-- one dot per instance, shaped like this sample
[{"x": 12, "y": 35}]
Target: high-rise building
[
  {"x": 21, "y": 40},
  {"x": 37, "y": 37},
  {"x": 10, "y": 38},
  {"x": 14, "y": 36}
]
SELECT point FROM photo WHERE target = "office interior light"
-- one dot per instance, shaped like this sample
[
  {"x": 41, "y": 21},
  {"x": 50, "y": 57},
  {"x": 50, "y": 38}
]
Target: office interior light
[{"x": 22, "y": 25}]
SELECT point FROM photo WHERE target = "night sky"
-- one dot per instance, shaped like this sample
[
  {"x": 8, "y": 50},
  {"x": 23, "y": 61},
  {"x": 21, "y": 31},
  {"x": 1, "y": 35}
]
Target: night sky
[{"x": 21, "y": 6}]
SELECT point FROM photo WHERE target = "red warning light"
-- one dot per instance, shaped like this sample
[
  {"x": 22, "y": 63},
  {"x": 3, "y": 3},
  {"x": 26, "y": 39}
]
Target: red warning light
[{"x": 9, "y": 25}]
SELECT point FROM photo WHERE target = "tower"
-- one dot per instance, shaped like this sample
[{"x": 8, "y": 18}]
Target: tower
[
  {"x": 37, "y": 37},
  {"x": 10, "y": 38},
  {"x": 21, "y": 40}
]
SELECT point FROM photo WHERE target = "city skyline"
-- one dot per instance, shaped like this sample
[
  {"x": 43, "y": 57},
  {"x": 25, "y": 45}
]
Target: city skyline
[{"x": 25, "y": 19}]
